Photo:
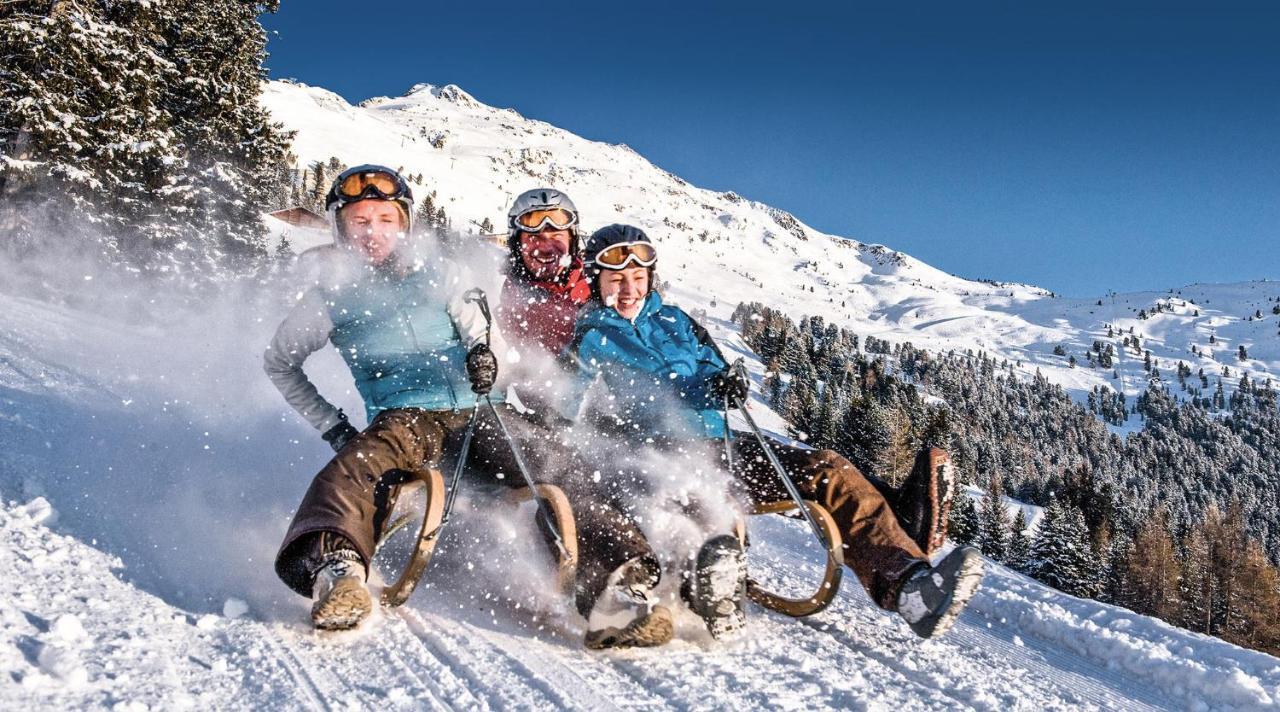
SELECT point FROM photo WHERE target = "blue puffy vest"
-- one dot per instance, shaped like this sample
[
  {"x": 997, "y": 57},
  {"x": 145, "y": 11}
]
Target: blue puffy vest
[{"x": 397, "y": 337}]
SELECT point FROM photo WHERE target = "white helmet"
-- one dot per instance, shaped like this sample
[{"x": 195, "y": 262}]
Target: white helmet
[{"x": 542, "y": 199}]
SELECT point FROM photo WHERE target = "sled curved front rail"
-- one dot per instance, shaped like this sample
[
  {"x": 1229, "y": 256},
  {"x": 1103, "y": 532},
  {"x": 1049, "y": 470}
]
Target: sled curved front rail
[
  {"x": 558, "y": 502},
  {"x": 399, "y": 591},
  {"x": 830, "y": 586}
]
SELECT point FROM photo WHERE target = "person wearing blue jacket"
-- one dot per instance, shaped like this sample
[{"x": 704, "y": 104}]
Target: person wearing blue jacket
[
  {"x": 651, "y": 387},
  {"x": 667, "y": 383},
  {"x": 420, "y": 355}
]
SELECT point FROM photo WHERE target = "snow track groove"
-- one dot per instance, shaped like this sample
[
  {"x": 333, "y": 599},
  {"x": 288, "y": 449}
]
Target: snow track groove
[
  {"x": 1096, "y": 685},
  {"x": 303, "y": 679},
  {"x": 504, "y": 680}
]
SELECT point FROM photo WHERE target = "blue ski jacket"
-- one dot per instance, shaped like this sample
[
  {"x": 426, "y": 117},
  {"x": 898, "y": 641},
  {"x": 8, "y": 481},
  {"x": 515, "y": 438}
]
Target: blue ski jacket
[{"x": 657, "y": 368}]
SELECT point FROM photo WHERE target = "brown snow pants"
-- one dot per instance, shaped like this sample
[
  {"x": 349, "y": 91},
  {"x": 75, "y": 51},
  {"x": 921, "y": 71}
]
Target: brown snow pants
[
  {"x": 880, "y": 553},
  {"x": 349, "y": 497}
]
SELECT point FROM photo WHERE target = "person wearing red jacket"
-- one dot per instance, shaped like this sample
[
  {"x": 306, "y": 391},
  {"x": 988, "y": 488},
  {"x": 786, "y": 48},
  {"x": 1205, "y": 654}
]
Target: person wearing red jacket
[
  {"x": 545, "y": 286},
  {"x": 546, "y": 282}
]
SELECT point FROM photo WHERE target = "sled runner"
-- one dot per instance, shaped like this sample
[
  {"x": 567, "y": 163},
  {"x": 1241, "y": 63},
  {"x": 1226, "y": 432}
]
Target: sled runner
[
  {"x": 430, "y": 483},
  {"x": 426, "y": 492},
  {"x": 423, "y": 495},
  {"x": 818, "y": 518},
  {"x": 830, "y": 585}
]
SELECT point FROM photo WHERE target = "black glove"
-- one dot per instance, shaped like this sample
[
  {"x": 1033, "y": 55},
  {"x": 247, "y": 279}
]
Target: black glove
[
  {"x": 482, "y": 368},
  {"x": 338, "y": 435},
  {"x": 731, "y": 382}
]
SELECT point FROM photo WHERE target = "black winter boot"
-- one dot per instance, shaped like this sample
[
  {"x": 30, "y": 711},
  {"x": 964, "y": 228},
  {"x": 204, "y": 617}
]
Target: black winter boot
[
  {"x": 716, "y": 587},
  {"x": 932, "y": 599}
]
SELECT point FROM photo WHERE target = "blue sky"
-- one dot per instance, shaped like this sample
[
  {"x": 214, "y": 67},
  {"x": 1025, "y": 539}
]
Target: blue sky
[{"x": 1075, "y": 145}]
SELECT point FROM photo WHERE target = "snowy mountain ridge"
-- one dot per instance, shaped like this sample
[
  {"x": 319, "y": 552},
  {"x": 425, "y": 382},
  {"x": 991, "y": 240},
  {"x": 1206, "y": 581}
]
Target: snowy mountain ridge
[{"x": 719, "y": 249}]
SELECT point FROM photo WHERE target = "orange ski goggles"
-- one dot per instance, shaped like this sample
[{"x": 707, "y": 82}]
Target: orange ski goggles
[
  {"x": 371, "y": 184},
  {"x": 620, "y": 255},
  {"x": 536, "y": 220}
]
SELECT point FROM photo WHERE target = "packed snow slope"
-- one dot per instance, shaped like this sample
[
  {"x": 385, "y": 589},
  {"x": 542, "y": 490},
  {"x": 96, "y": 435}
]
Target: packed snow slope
[
  {"x": 148, "y": 473},
  {"x": 718, "y": 249}
]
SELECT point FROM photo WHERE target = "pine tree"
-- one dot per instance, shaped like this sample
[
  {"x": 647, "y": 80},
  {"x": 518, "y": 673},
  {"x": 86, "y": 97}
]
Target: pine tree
[
  {"x": 830, "y": 418},
  {"x": 81, "y": 94},
  {"x": 867, "y": 434},
  {"x": 939, "y": 430},
  {"x": 140, "y": 121},
  {"x": 230, "y": 145},
  {"x": 1019, "y": 550},
  {"x": 801, "y": 403},
  {"x": 1061, "y": 555},
  {"x": 1116, "y": 588},
  {"x": 993, "y": 522},
  {"x": 319, "y": 186},
  {"x": 794, "y": 358},
  {"x": 963, "y": 526},
  {"x": 284, "y": 250},
  {"x": 1197, "y": 589},
  {"x": 773, "y": 390}
]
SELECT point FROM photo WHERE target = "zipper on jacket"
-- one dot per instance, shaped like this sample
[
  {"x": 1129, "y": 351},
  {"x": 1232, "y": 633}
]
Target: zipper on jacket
[{"x": 417, "y": 346}]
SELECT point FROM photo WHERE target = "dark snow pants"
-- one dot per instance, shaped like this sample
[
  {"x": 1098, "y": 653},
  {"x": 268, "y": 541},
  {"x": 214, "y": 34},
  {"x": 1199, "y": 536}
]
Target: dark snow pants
[
  {"x": 880, "y": 553},
  {"x": 613, "y": 481},
  {"x": 348, "y": 497}
]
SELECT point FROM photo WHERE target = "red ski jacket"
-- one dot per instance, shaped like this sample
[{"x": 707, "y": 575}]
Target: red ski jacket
[{"x": 543, "y": 313}]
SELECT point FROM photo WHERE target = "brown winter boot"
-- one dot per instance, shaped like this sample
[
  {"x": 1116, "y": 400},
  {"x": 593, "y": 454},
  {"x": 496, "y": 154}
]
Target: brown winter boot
[
  {"x": 625, "y": 615},
  {"x": 924, "y": 500},
  {"x": 651, "y": 629},
  {"x": 341, "y": 597}
]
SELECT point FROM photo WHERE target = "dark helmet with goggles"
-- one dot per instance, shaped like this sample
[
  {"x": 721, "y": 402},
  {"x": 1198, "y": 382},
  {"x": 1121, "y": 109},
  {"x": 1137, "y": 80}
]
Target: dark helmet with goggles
[{"x": 617, "y": 247}]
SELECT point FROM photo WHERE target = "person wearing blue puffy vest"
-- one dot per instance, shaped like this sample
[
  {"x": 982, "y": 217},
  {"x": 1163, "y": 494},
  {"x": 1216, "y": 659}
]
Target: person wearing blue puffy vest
[
  {"x": 667, "y": 383},
  {"x": 419, "y": 354}
]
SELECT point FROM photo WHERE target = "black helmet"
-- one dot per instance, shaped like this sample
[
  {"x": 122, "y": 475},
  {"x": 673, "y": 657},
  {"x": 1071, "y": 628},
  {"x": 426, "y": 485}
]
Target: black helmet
[{"x": 615, "y": 247}]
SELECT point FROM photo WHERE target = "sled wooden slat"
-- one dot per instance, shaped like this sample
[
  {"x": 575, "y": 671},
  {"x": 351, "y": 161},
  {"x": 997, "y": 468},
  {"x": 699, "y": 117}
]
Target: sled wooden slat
[
  {"x": 399, "y": 591},
  {"x": 830, "y": 586},
  {"x": 558, "y": 502}
]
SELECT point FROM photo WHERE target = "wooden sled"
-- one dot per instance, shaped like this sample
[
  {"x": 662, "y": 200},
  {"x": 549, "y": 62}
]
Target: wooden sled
[
  {"x": 830, "y": 585},
  {"x": 431, "y": 484}
]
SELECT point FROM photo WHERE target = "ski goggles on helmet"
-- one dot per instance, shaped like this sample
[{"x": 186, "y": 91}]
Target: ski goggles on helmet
[
  {"x": 537, "y": 220},
  {"x": 620, "y": 255},
  {"x": 373, "y": 183}
]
